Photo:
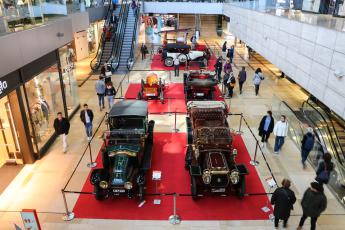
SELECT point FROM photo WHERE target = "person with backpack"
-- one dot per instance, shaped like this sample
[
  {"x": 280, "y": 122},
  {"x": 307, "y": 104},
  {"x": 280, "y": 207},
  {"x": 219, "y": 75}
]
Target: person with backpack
[
  {"x": 283, "y": 199},
  {"x": 314, "y": 202},
  {"x": 231, "y": 84},
  {"x": 324, "y": 169},
  {"x": 258, "y": 77},
  {"x": 307, "y": 145}
]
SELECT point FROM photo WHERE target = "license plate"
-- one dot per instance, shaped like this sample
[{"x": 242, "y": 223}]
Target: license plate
[
  {"x": 199, "y": 94},
  {"x": 150, "y": 94},
  {"x": 218, "y": 190},
  {"x": 119, "y": 190}
]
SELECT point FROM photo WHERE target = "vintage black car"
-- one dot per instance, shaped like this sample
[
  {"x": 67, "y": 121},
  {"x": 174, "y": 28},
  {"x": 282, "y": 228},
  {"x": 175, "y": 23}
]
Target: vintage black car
[
  {"x": 127, "y": 151},
  {"x": 210, "y": 156},
  {"x": 199, "y": 85}
]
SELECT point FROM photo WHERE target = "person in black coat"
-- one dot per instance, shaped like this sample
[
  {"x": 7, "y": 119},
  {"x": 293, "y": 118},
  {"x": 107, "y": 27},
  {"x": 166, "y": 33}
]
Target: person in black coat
[
  {"x": 307, "y": 145},
  {"x": 219, "y": 67},
  {"x": 283, "y": 200},
  {"x": 86, "y": 116},
  {"x": 143, "y": 51},
  {"x": 61, "y": 127},
  {"x": 266, "y": 127},
  {"x": 324, "y": 169},
  {"x": 314, "y": 202}
]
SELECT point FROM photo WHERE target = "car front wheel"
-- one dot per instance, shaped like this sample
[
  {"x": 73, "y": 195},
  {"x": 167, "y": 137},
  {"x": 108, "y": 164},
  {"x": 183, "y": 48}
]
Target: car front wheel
[
  {"x": 168, "y": 62},
  {"x": 99, "y": 193},
  {"x": 182, "y": 58}
]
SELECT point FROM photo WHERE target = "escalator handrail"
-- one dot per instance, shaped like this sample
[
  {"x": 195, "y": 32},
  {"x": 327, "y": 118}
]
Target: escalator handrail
[
  {"x": 99, "y": 51},
  {"x": 120, "y": 36},
  {"x": 122, "y": 15},
  {"x": 327, "y": 127},
  {"x": 131, "y": 56}
]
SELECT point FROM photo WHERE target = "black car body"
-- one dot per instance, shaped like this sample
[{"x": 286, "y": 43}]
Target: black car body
[
  {"x": 199, "y": 85},
  {"x": 127, "y": 151}
]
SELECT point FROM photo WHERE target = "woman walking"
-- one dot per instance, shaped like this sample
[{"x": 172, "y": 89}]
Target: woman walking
[
  {"x": 258, "y": 77},
  {"x": 110, "y": 93},
  {"x": 266, "y": 128},
  {"x": 324, "y": 169},
  {"x": 283, "y": 200}
]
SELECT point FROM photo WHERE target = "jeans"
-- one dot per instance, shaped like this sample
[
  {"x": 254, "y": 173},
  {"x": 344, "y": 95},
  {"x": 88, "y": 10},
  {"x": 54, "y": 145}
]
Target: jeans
[
  {"x": 276, "y": 222},
  {"x": 101, "y": 100},
  {"x": 241, "y": 85},
  {"x": 219, "y": 74},
  {"x": 88, "y": 129},
  {"x": 231, "y": 91},
  {"x": 304, "y": 155},
  {"x": 278, "y": 143},
  {"x": 257, "y": 89},
  {"x": 312, "y": 222},
  {"x": 110, "y": 101},
  {"x": 176, "y": 69},
  {"x": 265, "y": 136},
  {"x": 64, "y": 142}
]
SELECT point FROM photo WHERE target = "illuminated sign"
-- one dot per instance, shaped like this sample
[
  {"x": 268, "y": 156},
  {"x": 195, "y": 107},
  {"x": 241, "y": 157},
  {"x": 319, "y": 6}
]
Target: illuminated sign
[{"x": 3, "y": 86}]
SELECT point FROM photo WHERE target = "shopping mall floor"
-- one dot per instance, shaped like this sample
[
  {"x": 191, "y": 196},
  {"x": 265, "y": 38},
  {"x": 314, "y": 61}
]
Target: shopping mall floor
[{"x": 39, "y": 185}]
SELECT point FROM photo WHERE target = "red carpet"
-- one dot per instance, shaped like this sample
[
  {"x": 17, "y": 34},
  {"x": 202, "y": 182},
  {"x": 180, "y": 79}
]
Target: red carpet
[
  {"x": 174, "y": 99},
  {"x": 158, "y": 64},
  {"x": 168, "y": 157}
]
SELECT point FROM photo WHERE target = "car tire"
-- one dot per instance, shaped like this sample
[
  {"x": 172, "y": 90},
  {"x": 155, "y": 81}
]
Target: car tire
[
  {"x": 105, "y": 160},
  {"x": 241, "y": 187},
  {"x": 169, "y": 62},
  {"x": 194, "y": 188},
  {"x": 188, "y": 157},
  {"x": 141, "y": 193},
  {"x": 99, "y": 193},
  {"x": 140, "y": 95},
  {"x": 182, "y": 58}
]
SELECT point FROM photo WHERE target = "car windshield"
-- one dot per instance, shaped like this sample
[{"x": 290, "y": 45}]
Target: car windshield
[{"x": 126, "y": 123}]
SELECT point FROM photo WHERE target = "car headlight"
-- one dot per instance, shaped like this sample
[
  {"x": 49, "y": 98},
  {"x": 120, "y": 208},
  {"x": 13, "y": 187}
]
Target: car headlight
[
  {"x": 234, "y": 153},
  {"x": 234, "y": 176},
  {"x": 128, "y": 185},
  {"x": 206, "y": 177},
  {"x": 103, "y": 184}
]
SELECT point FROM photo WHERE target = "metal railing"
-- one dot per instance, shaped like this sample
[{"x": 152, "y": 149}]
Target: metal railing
[{"x": 131, "y": 59}]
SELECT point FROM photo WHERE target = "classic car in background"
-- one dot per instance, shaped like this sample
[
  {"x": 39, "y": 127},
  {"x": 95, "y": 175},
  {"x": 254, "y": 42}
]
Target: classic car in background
[
  {"x": 153, "y": 88},
  {"x": 126, "y": 156},
  {"x": 184, "y": 53},
  {"x": 199, "y": 85},
  {"x": 210, "y": 156}
]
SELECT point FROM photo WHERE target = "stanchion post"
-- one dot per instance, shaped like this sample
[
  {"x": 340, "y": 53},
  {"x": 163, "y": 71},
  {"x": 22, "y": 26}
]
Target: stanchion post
[
  {"x": 91, "y": 164},
  {"x": 68, "y": 216},
  {"x": 174, "y": 219},
  {"x": 121, "y": 91},
  {"x": 240, "y": 126},
  {"x": 175, "y": 128},
  {"x": 254, "y": 161}
]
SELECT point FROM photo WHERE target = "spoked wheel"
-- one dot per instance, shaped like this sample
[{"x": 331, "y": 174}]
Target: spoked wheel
[
  {"x": 168, "y": 62},
  {"x": 182, "y": 58},
  {"x": 194, "y": 189}
]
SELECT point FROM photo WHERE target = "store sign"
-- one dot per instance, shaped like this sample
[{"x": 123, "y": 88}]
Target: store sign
[
  {"x": 30, "y": 219},
  {"x": 3, "y": 86}
]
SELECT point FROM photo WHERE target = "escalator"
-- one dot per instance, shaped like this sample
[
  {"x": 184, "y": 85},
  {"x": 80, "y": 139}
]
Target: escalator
[
  {"x": 329, "y": 136},
  {"x": 124, "y": 52},
  {"x": 106, "y": 45}
]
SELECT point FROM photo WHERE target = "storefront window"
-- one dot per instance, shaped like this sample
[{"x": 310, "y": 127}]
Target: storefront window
[
  {"x": 68, "y": 75},
  {"x": 45, "y": 100}
]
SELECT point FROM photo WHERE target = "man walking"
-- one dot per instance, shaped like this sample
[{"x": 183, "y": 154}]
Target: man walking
[
  {"x": 242, "y": 77},
  {"x": 143, "y": 51},
  {"x": 176, "y": 66},
  {"x": 307, "y": 145},
  {"x": 314, "y": 202},
  {"x": 86, "y": 116},
  {"x": 218, "y": 67},
  {"x": 280, "y": 131},
  {"x": 100, "y": 90},
  {"x": 61, "y": 127},
  {"x": 230, "y": 54},
  {"x": 266, "y": 128}
]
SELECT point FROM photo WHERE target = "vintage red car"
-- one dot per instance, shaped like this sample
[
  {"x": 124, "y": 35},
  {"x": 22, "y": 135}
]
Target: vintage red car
[
  {"x": 199, "y": 85},
  {"x": 153, "y": 88},
  {"x": 211, "y": 157}
]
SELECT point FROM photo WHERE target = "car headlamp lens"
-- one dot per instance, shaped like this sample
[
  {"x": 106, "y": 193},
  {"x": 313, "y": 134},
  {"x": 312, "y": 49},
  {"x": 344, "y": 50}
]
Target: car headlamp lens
[
  {"x": 128, "y": 185},
  {"x": 234, "y": 176},
  {"x": 206, "y": 177},
  {"x": 103, "y": 184}
]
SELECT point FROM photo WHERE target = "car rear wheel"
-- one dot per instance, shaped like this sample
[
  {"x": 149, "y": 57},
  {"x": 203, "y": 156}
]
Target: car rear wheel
[
  {"x": 188, "y": 157},
  {"x": 141, "y": 193},
  {"x": 194, "y": 189},
  {"x": 169, "y": 62},
  {"x": 241, "y": 187}
]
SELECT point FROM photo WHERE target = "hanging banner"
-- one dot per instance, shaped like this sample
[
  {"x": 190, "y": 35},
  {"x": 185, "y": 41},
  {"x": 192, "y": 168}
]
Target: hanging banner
[
  {"x": 30, "y": 219},
  {"x": 153, "y": 26}
]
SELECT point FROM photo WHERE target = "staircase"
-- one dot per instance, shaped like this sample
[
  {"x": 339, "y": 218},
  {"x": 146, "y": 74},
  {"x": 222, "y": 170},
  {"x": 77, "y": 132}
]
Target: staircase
[{"x": 127, "y": 41}]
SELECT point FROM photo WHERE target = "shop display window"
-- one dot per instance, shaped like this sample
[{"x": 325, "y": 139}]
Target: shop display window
[
  {"x": 44, "y": 100},
  {"x": 66, "y": 54}
]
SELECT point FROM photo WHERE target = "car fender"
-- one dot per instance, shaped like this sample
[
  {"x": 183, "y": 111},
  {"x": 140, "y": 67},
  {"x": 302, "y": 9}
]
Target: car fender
[
  {"x": 195, "y": 54},
  {"x": 97, "y": 175}
]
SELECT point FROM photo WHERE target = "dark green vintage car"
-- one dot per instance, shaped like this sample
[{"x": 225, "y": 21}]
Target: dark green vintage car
[{"x": 127, "y": 151}]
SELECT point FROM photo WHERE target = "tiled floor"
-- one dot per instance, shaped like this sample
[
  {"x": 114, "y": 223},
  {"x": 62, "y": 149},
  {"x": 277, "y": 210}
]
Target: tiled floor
[{"x": 39, "y": 185}]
